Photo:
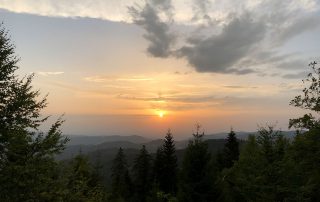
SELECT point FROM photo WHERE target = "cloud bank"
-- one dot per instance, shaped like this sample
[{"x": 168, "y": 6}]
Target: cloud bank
[
  {"x": 230, "y": 36},
  {"x": 246, "y": 40}
]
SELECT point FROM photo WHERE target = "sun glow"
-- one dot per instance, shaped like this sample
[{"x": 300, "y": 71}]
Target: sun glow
[{"x": 161, "y": 114}]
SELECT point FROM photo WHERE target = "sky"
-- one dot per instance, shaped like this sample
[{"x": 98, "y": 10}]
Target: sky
[{"x": 124, "y": 67}]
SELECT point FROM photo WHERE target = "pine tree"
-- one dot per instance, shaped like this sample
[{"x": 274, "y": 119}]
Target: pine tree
[
  {"x": 168, "y": 166},
  {"x": 142, "y": 176},
  {"x": 158, "y": 168},
  {"x": 231, "y": 150},
  {"x": 121, "y": 181},
  {"x": 197, "y": 181},
  {"x": 28, "y": 171}
]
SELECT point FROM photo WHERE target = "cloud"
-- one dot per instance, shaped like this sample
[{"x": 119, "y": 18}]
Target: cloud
[
  {"x": 292, "y": 65},
  {"x": 157, "y": 31},
  {"x": 297, "y": 27},
  {"x": 241, "y": 87},
  {"x": 298, "y": 75},
  {"x": 219, "y": 53},
  {"x": 114, "y": 10},
  {"x": 103, "y": 79},
  {"x": 179, "y": 98},
  {"x": 231, "y": 45},
  {"x": 135, "y": 79},
  {"x": 201, "y": 8},
  {"x": 237, "y": 44},
  {"x": 50, "y": 73}
]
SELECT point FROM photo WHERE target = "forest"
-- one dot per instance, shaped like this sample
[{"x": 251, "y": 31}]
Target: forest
[{"x": 266, "y": 167}]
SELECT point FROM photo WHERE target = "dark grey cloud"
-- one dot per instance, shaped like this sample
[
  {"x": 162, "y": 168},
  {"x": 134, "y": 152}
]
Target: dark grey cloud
[
  {"x": 247, "y": 41},
  {"x": 219, "y": 53},
  {"x": 157, "y": 32}
]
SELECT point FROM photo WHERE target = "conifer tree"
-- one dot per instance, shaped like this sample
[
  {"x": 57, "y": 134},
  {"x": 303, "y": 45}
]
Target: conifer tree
[
  {"x": 231, "y": 150},
  {"x": 121, "y": 181},
  {"x": 166, "y": 166},
  {"x": 259, "y": 173},
  {"x": 142, "y": 175},
  {"x": 28, "y": 171},
  {"x": 197, "y": 181},
  {"x": 158, "y": 167}
]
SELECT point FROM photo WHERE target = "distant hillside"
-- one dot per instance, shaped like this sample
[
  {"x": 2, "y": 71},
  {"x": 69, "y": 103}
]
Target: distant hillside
[
  {"x": 152, "y": 146},
  {"x": 93, "y": 143},
  {"x": 94, "y": 140}
]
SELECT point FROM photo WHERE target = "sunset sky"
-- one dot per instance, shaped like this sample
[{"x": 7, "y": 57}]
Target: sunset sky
[{"x": 122, "y": 67}]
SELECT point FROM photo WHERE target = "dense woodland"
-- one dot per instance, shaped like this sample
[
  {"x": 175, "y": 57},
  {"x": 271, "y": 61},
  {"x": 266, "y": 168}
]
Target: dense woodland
[{"x": 267, "y": 167}]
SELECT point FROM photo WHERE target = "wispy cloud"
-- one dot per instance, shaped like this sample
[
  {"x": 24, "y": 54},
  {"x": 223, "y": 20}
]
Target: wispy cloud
[
  {"x": 135, "y": 79},
  {"x": 114, "y": 10},
  {"x": 49, "y": 73},
  {"x": 102, "y": 79},
  {"x": 177, "y": 98},
  {"x": 240, "y": 87}
]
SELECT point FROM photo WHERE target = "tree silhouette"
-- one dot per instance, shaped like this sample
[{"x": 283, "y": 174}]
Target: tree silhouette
[
  {"x": 166, "y": 166},
  {"x": 121, "y": 181},
  {"x": 196, "y": 183},
  {"x": 142, "y": 175},
  {"x": 230, "y": 152},
  {"x": 309, "y": 100},
  {"x": 27, "y": 167}
]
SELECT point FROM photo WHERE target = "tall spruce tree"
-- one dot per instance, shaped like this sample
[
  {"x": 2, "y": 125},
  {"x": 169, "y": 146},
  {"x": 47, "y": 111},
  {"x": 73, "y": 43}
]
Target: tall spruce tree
[
  {"x": 142, "y": 175},
  {"x": 231, "y": 150},
  {"x": 158, "y": 168},
  {"x": 121, "y": 182},
  {"x": 166, "y": 166},
  {"x": 28, "y": 171},
  {"x": 197, "y": 181}
]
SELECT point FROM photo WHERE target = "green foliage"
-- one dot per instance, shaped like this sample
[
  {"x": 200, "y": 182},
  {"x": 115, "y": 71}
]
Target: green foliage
[
  {"x": 230, "y": 153},
  {"x": 28, "y": 171},
  {"x": 121, "y": 181},
  {"x": 197, "y": 181},
  {"x": 304, "y": 161},
  {"x": 231, "y": 150},
  {"x": 82, "y": 186},
  {"x": 258, "y": 175},
  {"x": 309, "y": 100},
  {"x": 162, "y": 197},
  {"x": 142, "y": 176}
]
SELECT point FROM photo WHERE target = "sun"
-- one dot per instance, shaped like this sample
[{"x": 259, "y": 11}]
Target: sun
[{"x": 161, "y": 114}]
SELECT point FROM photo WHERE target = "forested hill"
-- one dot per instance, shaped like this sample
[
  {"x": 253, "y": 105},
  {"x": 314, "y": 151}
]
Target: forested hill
[
  {"x": 103, "y": 154},
  {"x": 97, "y": 139},
  {"x": 89, "y": 144}
]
